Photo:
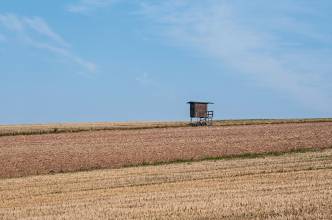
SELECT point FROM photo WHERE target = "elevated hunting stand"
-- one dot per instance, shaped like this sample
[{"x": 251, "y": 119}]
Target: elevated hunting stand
[{"x": 199, "y": 113}]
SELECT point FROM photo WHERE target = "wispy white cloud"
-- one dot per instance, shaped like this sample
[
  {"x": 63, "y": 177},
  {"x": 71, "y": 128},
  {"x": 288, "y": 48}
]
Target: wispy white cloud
[
  {"x": 35, "y": 32},
  {"x": 274, "y": 47},
  {"x": 84, "y": 6},
  {"x": 145, "y": 79},
  {"x": 262, "y": 49},
  {"x": 39, "y": 25}
]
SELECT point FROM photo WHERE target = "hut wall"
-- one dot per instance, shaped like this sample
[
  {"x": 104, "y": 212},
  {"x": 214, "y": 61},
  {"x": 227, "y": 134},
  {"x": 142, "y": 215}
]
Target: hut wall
[{"x": 198, "y": 110}]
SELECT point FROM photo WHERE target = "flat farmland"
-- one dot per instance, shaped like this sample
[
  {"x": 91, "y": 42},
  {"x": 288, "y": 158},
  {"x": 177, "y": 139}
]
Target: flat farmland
[
  {"x": 24, "y": 155},
  {"x": 291, "y": 186},
  {"x": 25, "y": 129}
]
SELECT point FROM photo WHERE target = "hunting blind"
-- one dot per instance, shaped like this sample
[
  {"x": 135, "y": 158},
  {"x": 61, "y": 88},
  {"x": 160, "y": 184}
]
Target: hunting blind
[{"x": 200, "y": 114}]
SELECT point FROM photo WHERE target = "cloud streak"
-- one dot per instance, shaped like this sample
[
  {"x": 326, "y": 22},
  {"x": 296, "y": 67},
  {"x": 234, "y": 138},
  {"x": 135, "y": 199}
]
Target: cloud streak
[
  {"x": 274, "y": 48},
  {"x": 35, "y": 32},
  {"x": 145, "y": 80},
  {"x": 276, "y": 53},
  {"x": 40, "y": 26}
]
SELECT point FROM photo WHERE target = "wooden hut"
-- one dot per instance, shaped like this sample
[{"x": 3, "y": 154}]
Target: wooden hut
[{"x": 200, "y": 114}]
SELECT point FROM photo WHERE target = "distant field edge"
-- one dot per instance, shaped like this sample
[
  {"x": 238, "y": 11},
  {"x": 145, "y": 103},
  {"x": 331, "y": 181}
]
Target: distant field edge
[{"x": 38, "y": 129}]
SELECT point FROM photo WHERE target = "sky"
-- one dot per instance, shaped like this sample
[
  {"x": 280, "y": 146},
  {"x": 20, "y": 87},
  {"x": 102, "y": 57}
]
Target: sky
[{"x": 142, "y": 60}]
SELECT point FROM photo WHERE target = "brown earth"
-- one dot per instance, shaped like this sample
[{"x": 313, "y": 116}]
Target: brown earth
[
  {"x": 65, "y": 152},
  {"x": 30, "y": 129}
]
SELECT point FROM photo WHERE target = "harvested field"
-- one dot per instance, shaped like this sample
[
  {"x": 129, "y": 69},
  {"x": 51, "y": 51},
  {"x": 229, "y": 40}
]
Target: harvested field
[
  {"x": 67, "y": 152},
  {"x": 11, "y": 130},
  {"x": 292, "y": 186}
]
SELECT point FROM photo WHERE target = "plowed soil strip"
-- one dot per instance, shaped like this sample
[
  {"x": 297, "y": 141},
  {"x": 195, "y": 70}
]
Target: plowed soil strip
[{"x": 66, "y": 152}]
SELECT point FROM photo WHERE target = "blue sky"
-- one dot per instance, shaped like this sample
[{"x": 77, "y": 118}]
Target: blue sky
[{"x": 139, "y": 60}]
